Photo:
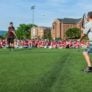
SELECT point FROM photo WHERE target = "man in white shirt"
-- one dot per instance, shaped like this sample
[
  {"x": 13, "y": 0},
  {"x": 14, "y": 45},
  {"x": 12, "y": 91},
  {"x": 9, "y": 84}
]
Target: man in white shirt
[{"x": 87, "y": 31}]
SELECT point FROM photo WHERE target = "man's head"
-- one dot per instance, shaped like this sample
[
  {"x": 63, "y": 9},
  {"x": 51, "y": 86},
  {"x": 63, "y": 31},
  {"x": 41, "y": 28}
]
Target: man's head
[
  {"x": 11, "y": 23},
  {"x": 89, "y": 15}
]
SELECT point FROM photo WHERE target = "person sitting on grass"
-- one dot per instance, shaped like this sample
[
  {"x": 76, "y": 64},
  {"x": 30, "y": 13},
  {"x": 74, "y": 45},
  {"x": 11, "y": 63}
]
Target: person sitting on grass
[{"x": 87, "y": 31}]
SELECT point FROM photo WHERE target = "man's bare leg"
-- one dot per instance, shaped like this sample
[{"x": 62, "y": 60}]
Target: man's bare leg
[
  {"x": 87, "y": 58},
  {"x": 88, "y": 61}
]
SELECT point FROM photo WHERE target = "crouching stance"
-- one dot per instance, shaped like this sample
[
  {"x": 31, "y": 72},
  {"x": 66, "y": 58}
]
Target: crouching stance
[{"x": 87, "y": 31}]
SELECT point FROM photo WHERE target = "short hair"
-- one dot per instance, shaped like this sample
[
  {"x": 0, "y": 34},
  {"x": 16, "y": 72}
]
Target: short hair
[
  {"x": 90, "y": 14},
  {"x": 11, "y": 22}
]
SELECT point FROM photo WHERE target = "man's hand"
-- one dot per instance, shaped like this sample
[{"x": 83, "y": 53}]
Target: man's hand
[
  {"x": 82, "y": 36},
  {"x": 14, "y": 34}
]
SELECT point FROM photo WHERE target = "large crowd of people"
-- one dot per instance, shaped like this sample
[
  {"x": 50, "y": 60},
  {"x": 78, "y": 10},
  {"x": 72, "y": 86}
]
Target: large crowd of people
[
  {"x": 12, "y": 42},
  {"x": 44, "y": 44}
]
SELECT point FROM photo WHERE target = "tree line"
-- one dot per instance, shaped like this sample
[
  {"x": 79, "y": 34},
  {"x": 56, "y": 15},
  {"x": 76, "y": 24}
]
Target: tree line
[{"x": 24, "y": 32}]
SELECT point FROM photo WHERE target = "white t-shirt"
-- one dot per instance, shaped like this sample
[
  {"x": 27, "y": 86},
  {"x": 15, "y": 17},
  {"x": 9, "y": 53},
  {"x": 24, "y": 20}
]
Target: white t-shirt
[{"x": 88, "y": 30}]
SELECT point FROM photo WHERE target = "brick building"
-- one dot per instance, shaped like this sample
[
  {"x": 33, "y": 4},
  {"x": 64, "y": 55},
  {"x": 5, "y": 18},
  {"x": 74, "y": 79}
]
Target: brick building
[
  {"x": 39, "y": 32},
  {"x": 60, "y": 26}
]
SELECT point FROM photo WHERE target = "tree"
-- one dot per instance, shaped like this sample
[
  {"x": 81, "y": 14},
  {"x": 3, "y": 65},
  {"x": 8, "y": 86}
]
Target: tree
[
  {"x": 5, "y": 35},
  {"x": 73, "y": 33},
  {"x": 23, "y": 31}
]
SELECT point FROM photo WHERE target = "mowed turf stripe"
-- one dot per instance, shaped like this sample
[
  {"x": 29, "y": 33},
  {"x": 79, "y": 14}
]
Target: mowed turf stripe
[
  {"x": 72, "y": 78},
  {"x": 62, "y": 73},
  {"x": 63, "y": 83},
  {"x": 46, "y": 82},
  {"x": 19, "y": 70}
]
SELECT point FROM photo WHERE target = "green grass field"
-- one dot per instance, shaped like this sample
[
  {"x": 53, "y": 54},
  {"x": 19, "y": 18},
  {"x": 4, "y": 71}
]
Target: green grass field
[{"x": 43, "y": 70}]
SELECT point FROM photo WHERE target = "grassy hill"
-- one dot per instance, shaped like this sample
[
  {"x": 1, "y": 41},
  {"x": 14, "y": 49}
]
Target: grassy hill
[{"x": 43, "y": 70}]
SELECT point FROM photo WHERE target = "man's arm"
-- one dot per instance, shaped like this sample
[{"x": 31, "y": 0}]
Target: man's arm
[
  {"x": 82, "y": 37},
  {"x": 14, "y": 34}
]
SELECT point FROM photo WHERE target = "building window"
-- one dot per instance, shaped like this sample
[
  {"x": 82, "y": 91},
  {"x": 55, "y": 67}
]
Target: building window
[{"x": 54, "y": 26}]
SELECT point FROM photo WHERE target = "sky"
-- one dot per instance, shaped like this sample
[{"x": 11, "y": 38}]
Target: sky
[{"x": 45, "y": 12}]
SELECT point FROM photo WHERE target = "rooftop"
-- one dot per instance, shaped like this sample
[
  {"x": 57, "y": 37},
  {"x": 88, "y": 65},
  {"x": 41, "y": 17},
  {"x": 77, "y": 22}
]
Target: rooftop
[{"x": 69, "y": 20}]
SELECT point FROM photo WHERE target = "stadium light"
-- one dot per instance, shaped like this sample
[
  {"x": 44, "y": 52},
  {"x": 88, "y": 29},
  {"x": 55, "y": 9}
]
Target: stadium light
[{"x": 33, "y": 18}]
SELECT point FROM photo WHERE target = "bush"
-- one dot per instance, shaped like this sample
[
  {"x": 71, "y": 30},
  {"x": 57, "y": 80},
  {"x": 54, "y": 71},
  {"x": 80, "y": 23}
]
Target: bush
[{"x": 73, "y": 33}]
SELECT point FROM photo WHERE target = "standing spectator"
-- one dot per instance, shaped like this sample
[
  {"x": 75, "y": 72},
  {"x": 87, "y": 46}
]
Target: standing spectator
[{"x": 11, "y": 35}]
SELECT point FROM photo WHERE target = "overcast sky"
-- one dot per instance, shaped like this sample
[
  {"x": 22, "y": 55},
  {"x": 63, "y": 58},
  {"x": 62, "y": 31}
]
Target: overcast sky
[{"x": 46, "y": 11}]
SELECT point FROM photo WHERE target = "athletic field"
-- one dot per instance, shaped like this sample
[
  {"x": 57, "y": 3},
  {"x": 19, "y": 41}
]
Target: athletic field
[{"x": 43, "y": 70}]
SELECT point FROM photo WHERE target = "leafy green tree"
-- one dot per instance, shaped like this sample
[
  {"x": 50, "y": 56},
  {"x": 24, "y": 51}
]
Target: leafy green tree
[
  {"x": 4, "y": 36},
  {"x": 24, "y": 31},
  {"x": 57, "y": 39},
  {"x": 73, "y": 33}
]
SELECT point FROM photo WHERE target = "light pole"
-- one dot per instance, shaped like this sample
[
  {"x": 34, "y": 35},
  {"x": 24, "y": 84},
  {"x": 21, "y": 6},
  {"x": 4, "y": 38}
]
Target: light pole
[
  {"x": 33, "y": 16},
  {"x": 32, "y": 34}
]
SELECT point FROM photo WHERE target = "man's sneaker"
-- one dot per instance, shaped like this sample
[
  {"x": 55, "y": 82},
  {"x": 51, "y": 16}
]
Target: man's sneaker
[{"x": 88, "y": 69}]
